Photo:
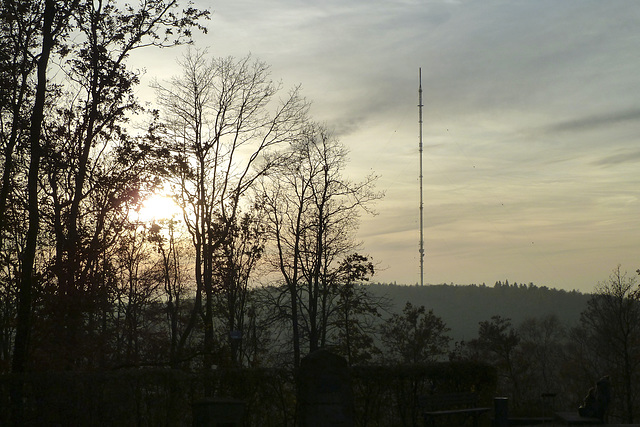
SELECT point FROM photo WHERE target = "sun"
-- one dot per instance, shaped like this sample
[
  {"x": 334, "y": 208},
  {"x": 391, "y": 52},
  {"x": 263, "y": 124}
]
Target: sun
[{"x": 157, "y": 207}]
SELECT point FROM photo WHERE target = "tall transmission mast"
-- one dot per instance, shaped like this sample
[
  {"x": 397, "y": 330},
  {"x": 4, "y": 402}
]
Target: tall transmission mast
[{"x": 421, "y": 202}]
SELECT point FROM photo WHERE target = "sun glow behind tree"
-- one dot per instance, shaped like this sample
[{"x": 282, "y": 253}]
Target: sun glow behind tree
[{"x": 156, "y": 207}]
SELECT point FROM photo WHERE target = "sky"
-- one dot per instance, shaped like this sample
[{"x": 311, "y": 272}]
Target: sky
[{"x": 531, "y": 127}]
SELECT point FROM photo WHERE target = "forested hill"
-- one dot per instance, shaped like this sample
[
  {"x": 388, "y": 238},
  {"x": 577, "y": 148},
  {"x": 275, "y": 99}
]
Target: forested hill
[{"x": 462, "y": 307}]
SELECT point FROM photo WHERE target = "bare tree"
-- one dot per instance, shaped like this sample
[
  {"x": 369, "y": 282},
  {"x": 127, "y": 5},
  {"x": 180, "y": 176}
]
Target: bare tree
[
  {"x": 541, "y": 347},
  {"x": 137, "y": 293},
  {"x": 611, "y": 327},
  {"x": 177, "y": 282},
  {"x": 312, "y": 214},
  {"x": 221, "y": 116},
  {"x": 235, "y": 264}
]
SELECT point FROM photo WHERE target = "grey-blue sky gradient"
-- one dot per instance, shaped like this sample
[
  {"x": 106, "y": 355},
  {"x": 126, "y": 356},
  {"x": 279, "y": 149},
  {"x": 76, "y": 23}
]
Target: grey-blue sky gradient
[{"x": 531, "y": 125}]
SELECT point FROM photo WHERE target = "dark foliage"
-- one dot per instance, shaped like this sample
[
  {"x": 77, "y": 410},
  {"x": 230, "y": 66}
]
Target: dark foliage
[{"x": 384, "y": 395}]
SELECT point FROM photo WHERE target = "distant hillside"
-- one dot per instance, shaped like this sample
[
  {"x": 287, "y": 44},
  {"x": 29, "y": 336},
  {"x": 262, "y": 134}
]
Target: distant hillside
[{"x": 462, "y": 307}]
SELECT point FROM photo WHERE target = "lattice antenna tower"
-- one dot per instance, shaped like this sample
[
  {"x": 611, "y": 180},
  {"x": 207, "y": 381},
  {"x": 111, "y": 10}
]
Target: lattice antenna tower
[{"x": 421, "y": 201}]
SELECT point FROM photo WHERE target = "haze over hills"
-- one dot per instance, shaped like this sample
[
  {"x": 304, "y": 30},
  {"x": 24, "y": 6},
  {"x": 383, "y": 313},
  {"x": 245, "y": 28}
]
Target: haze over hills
[{"x": 462, "y": 307}]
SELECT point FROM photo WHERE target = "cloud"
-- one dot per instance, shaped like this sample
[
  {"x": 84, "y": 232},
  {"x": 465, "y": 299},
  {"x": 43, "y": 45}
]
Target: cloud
[
  {"x": 619, "y": 158},
  {"x": 594, "y": 122}
]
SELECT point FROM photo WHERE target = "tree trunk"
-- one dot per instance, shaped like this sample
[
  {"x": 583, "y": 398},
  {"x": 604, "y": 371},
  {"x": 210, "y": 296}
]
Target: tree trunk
[{"x": 23, "y": 321}]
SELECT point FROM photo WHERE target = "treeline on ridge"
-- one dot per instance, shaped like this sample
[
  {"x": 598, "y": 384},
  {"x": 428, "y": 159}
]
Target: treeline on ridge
[{"x": 462, "y": 307}]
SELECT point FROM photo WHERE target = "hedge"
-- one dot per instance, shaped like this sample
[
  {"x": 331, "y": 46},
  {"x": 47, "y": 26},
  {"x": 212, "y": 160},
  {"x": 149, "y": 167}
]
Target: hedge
[{"x": 383, "y": 395}]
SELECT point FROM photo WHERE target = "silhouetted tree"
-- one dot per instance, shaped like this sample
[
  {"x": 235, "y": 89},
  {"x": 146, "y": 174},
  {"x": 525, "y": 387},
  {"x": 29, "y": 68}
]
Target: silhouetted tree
[
  {"x": 21, "y": 26},
  {"x": 47, "y": 27},
  {"x": 356, "y": 311},
  {"x": 172, "y": 269},
  {"x": 95, "y": 169},
  {"x": 541, "y": 347},
  {"x": 497, "y": 343},
  {"x": 41, "y": 21},
  {"x": 137, "y": 299},
  {"x": 312, "y": 212},
  {"x": 610, "y": 328},
  {"x": 235, "y": 263},
  {"x": 72, "y": 117},
  {"x": 220, "y": 118},
  {"x": 415, "y": 336}
]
